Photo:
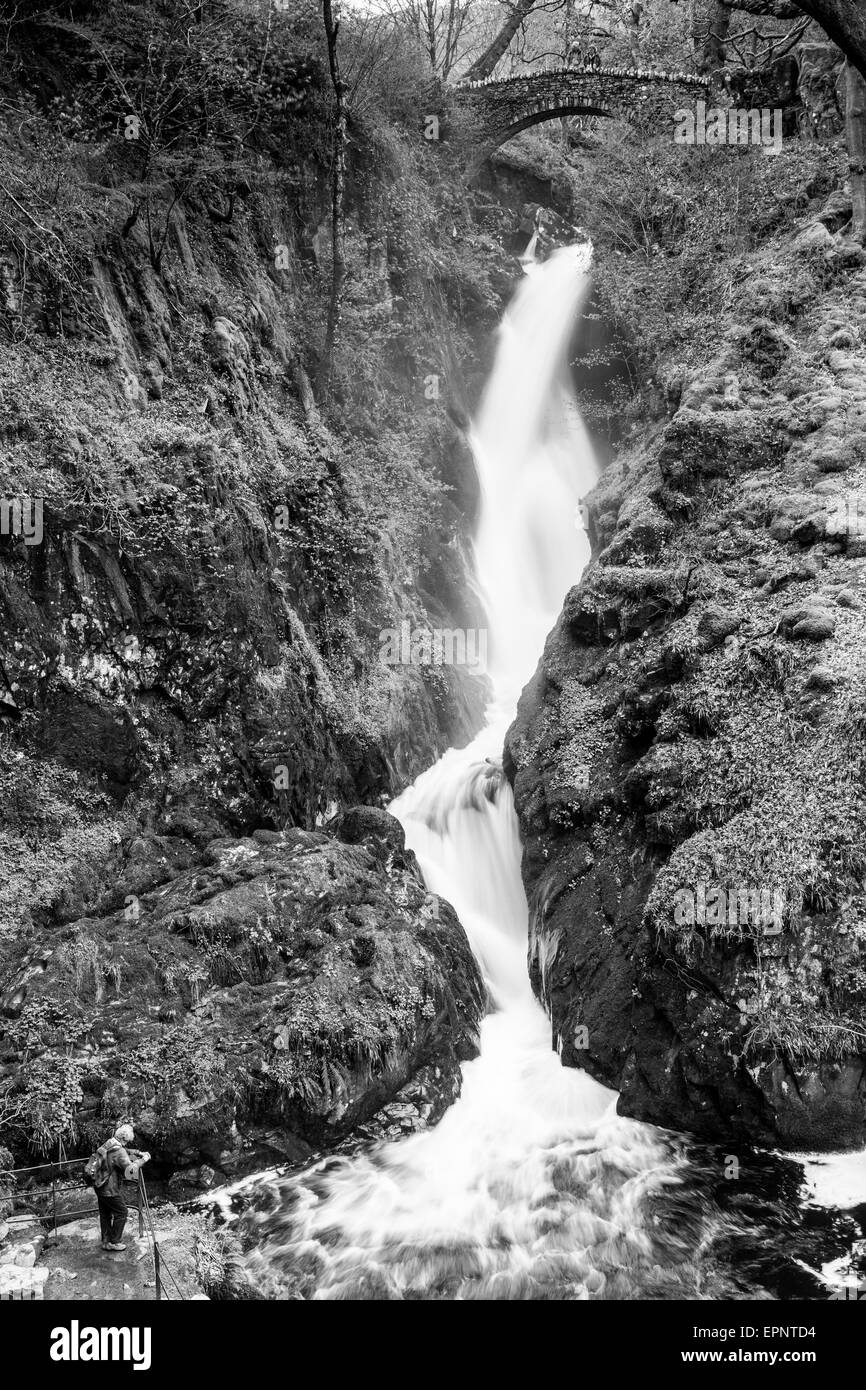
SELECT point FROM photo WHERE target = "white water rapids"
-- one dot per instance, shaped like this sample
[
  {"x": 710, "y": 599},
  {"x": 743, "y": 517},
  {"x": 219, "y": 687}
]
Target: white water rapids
[{"x": 531, "y": 1186}]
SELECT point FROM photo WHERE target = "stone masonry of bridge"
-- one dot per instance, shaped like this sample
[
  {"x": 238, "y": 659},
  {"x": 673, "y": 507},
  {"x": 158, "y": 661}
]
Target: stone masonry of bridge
[{"x": 512, "y": 104}]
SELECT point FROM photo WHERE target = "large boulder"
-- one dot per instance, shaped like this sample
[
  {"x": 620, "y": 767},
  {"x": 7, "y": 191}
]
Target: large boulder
[{"x": 259, "y": 1002}]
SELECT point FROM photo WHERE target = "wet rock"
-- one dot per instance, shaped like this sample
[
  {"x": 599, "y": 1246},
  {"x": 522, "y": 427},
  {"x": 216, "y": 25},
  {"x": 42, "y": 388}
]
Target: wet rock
[
  {"x": 370, "y": 822},
  {"x": 190, "y": 1182}
]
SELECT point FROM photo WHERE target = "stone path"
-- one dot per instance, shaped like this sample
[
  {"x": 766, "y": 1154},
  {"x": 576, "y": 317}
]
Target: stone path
[
  {"x": 72, "y": 1266},
  {"x": 80, "y": 1269}
]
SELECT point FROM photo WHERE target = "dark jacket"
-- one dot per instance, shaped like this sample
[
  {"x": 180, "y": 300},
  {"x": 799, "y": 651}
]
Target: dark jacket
[{"x": 119, "y": 1163}]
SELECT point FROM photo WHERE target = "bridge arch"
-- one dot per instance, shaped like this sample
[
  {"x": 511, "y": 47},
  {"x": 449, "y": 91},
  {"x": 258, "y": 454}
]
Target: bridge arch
[
  {"x": 547, "y": 113},
  {"x": 555, "y": 112}
]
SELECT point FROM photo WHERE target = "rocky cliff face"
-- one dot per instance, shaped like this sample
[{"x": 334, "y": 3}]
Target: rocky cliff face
[
  {"x": 688, "y": 760},
  {"x": 191, "y": 646},
  {"x": 199, "y": 623}
]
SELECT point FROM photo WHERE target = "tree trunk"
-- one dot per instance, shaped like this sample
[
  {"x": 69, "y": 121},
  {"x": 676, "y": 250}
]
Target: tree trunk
[
  {"x": 484, "y": 65},
  {"x": 338, "y": 188},
  {"x": 430, "y": 22},
  {"x": 692, "y": 28},
  {"x": 712, "y": 59},
  {"x": 855, "y": 122},
  {"x": 566, "y": 45},
  {"x": 635, "y": 15}
]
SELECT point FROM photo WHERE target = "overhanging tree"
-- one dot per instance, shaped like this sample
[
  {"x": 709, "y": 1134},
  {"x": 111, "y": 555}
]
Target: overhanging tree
[
  {"x": 483, "y": 66},
  {"x": 720, "y": 16},
  {"x": 843, "y": 20}
]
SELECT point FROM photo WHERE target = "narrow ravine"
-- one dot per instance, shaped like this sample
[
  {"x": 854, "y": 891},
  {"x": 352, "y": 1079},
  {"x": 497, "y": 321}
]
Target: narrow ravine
[{"x": 531, "y": 1186}]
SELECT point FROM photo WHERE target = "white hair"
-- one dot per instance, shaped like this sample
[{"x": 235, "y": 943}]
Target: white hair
[{"x": 125, "y": 1133}]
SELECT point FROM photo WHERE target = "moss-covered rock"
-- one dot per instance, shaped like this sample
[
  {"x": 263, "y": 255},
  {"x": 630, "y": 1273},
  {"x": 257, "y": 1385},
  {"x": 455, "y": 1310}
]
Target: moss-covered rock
[{"x": 262, "y": 997}]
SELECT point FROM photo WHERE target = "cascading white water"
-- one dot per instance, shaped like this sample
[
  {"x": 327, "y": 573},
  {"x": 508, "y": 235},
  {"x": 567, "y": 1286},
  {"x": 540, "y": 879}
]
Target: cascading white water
[
  {"x": 530, "y": 1186},
  {"x": 535, "y": 462}
]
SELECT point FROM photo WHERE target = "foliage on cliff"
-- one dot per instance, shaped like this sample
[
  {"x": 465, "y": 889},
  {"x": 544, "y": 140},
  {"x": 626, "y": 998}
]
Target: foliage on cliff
[
  {"x": 192, "y": 649},
  {"x": 219, "y": 554}
]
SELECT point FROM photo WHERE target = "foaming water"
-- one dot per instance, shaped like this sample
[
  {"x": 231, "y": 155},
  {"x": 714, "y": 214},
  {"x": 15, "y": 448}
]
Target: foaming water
[{"x": 531, "y": 1186}]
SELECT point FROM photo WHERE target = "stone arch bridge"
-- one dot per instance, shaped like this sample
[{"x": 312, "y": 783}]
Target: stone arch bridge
[{"x": 641, "y": 95}]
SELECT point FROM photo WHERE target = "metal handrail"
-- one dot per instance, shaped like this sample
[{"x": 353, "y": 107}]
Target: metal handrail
[
  {"x": 42, "y": 1167},
  {"x": 51, "y": 1187}
]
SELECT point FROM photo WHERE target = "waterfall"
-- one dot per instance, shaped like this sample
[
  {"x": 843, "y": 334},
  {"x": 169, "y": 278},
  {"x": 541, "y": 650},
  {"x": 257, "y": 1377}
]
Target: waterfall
[
  {"x": 535, "y": 462},
  {"x": 531, "y": 1186}
]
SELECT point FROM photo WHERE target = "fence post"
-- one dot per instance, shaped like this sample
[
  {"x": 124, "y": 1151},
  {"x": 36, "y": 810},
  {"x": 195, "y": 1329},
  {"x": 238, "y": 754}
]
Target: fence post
[{"x": 60, "y": 1153}]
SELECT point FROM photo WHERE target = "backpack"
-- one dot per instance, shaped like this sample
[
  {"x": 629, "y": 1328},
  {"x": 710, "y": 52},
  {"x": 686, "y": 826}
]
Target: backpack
[{"x": 96, "y": 1169}]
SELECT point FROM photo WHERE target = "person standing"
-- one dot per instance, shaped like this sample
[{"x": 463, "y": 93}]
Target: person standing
[{"x": 117, "y": 1166}]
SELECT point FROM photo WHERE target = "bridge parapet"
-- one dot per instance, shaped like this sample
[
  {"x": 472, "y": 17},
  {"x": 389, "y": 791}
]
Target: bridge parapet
[{"x": 691, "y": 80}]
